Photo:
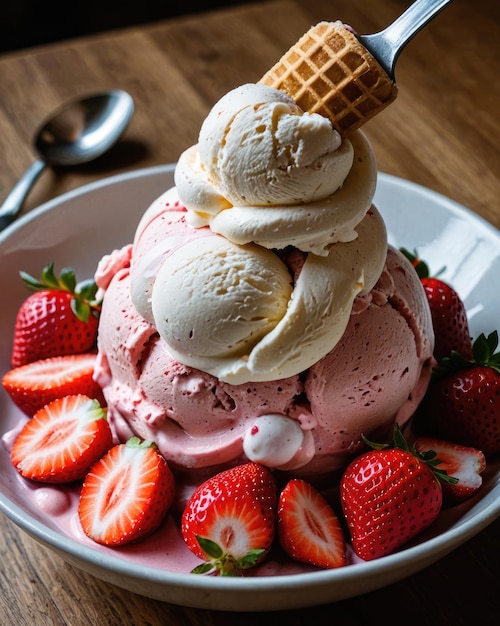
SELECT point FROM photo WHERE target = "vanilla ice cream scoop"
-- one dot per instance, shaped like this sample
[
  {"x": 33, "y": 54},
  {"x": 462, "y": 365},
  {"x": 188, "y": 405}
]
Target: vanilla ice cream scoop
[
  {"x": 258, "y": 147},
  {"x": 213, "y": 298},
  {"x": 267, "y": 172}
]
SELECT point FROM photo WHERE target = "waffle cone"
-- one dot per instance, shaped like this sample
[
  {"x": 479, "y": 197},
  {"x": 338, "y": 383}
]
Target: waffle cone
[{"x": 329, "y": 72}]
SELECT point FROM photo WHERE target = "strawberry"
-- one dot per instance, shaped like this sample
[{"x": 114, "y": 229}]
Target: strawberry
[
  {"x": 34, "y": 385},
  {"x": 62, "y": 441},
  {"x": 126, "y": 494},
  {"x": 449, "y": 317},
  {"x": 308, "y": 528},
  {"x": 389, "y": 495},
  {"x": 463, "y": 463},
  {"x": 462, "y": 403},
  {"x": 59, "y": 318},
  {"x": 229, "y": 521}
]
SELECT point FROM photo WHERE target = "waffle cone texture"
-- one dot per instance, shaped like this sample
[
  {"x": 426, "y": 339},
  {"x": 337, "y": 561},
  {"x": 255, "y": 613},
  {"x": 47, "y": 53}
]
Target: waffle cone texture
[{"x": 329, "y": 72}]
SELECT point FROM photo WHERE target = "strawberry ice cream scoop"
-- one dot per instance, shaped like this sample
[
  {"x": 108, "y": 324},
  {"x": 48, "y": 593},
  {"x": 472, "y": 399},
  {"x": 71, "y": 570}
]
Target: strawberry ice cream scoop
[{"x": 377, "y": 374}]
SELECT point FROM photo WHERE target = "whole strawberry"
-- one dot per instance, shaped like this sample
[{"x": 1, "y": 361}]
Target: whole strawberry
[
  {"x": 462, "y": 403},
  {"x": 59, "y": 318},
  {"x": 389, "y": 495},
  {"x": 229, "y": 521},
  {"x": 449, "y": 317}
]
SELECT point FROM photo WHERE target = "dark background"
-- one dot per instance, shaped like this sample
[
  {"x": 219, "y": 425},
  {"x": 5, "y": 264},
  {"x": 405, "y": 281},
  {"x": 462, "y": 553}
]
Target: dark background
[{"x": 27, "y": 23}]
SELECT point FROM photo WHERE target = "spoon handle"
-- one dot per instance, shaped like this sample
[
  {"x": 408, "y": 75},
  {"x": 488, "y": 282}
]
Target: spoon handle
[
  {"x": 388, "y": 43},
  {"x": 14, "y": 201}
]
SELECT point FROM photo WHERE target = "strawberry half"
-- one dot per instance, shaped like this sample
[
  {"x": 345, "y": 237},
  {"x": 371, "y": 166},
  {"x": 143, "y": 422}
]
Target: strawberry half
[
  {"x": 62, "y": 440},
  {"x": 449, "y": 317},
  {"x": 461, "y": 462},
  {"x": 60, "y": 318},
  {"x": 308, "y": 528},
  {"x": 126, "y": 494},
  {"x": 230, "y": 519},
  {"x": 34, "y": 385},
  {"x": 389, "y": 495}
]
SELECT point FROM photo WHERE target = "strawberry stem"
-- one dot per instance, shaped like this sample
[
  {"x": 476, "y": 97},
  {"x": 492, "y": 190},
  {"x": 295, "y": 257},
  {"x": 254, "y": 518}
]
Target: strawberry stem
[
  {"x": 67, "y": 279},
  {"x": 429, "y": 457},
  {"x": 136, "y": 442},
  {"x": 84, "y": 302},
  {"x": 483, "y": 353},
  {"x": 222, "y": 563},
  {"x": 95, "y": 411},
  {"x": 420, "y": 266}
]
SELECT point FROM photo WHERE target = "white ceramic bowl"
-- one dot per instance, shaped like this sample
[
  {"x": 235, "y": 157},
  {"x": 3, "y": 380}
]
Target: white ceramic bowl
[{"x": 77, "y": 228}]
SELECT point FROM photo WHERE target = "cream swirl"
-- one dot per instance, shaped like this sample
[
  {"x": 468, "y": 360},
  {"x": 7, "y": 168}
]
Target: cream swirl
[
  {"x": 264, "y": 171},
  {"x": 217, "y": 314}
]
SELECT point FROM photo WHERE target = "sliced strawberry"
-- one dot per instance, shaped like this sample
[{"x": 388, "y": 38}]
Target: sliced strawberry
[
  {"x": 229, "y": 521},
  {"x": 308, "y": 528},
  {"x": 62, "y": 440},
  {"x": 126, "y": 494},
  {"x": 461, "y": 462},
  {"x": 60, "y": 318},
  {"x": 34, "y": 385}
]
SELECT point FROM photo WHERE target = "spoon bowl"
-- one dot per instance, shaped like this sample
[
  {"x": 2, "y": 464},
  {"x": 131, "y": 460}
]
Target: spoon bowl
[{"x": 78, "y": 132}]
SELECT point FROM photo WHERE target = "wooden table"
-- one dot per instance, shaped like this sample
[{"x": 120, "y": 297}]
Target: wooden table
[{"x": 441, "y": 132}]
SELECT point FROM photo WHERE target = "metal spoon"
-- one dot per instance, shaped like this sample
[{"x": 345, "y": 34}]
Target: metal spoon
[
  {"x": 386, "y": 45},
  {"x": 78, "y": 132}
]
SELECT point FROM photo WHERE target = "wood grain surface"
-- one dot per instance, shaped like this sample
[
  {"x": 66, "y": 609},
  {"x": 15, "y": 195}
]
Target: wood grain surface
[{"x": 441, "y": 132}]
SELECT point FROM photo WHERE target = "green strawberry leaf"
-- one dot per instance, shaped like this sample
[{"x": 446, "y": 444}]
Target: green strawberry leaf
[
  {"x": 453, "y": 363},
  {"x": 87, "y": 290},
  {"x": 222, "y": 563},
  {"x": 83, "y": 304},
  {"x": 137, "y": 442},
  {"x": 250, "y": 559},
  {"x": 204, "y": 568},
  {"x": 429, "y": 456},
  {"x": 397, "y": 441},
  {"x": 67, "y": 279},
  {"x": 80, "y": 309},
  {"x": 494, "y": 362},
  {"x": 483, "y": 353},
  {"x": 32, "y": 283},
  {"x": 420, "y": 266},
  {"x": 210, "y": 548},
  {"x": 48, "y": 277},
  {"x": 481, "y": 349}
]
